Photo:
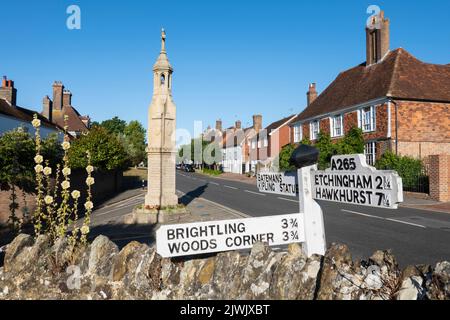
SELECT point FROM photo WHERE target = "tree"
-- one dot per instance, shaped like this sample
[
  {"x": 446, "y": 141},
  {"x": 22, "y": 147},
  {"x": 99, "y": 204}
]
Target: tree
[
  {"x": 52, "y": 150},
  {"x": 285, "y": 156},
  {"x": 134, "y": 142},
  {"x": 326, "y": 150},
  {"x": 17, "y": 151},
  {"x": 106, "y": 150},
  {"x": 114, "y": 125},
  {"x": 352, "y": 143}
]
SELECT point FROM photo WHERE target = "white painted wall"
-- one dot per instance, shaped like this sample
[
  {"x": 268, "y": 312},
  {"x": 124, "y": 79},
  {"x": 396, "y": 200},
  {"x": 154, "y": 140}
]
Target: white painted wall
[
  {"x": 232, "y": 160},
  {"x": 9, "y": 123}
]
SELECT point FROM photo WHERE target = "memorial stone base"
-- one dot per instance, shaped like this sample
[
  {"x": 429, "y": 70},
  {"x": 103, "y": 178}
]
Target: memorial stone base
[{"x": 142, "y": 215}]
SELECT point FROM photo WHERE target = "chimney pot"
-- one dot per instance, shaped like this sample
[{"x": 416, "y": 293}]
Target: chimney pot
[
  {"x": 257, "y": 122},
  {"x": 311, "y": 95},
  {"x": 238, "y": 124}
]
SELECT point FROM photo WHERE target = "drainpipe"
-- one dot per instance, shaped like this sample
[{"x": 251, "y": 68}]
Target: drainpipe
[{"x": 396, "y": 125}]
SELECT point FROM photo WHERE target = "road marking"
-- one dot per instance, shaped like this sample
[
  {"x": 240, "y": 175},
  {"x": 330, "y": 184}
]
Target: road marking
[
  {"x": 296, "y": 201},
  {"x": 388, "y": 219},
  {"x": 257, "y": 193},
  {"x": 203, "y": 180},
  {"x": 363, "y": 214},
  {"x": 229, "y": 187},
  {"x": 214, "y": 183},
  {"x": 112, "y": 210},
  {"x": 409, "y": 223}
]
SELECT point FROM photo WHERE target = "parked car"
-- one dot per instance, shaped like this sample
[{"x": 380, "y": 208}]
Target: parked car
[
  {"x": 189, "y": 168},
  {"x": 179, "y": 167}
]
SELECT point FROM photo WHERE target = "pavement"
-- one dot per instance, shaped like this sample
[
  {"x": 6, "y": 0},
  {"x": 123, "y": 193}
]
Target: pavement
[
  {"x": 415, "y": 236},
  {"x": 108, "y": 219}
]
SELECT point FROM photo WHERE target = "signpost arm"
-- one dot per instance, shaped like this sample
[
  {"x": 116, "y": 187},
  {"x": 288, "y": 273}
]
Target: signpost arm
[{"x": 312, "y": 214}]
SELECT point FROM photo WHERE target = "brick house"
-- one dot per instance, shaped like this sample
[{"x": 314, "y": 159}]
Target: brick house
[
  {"x": 267, "y": 144},
  {"x": 13, "y": 116},
  {"x": 61, "y": 105},
  {"x": 237, "y": 156},
  {"x": 401, "y": 103}
]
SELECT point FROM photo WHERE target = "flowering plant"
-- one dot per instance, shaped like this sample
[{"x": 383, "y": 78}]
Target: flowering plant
[{"x": 56, "y": 206}]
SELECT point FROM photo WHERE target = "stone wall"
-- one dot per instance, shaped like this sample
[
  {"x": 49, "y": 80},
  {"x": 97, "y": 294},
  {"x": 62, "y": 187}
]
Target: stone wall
[{"x": 40, "y": 270}]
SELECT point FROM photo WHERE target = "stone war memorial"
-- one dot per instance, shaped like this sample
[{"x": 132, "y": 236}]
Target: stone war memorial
[
  {"x": 161, "y": 135},
  {"x": 312, "y": 204}
]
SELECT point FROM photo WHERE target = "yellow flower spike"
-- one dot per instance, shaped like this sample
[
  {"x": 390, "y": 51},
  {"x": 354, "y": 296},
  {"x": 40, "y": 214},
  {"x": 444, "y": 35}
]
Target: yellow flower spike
[
  {"x": 48, "y": 199},
  {"x": 39, "y": 159},
  {"x": 65, "y": 185},
  {"x": 47, "y": 171},
  {"x": 66, "y": 145},
  {"x": 66, "y": 171},
  {"x": 90, "y": 181},
  {"x": 75, "y": 194}
]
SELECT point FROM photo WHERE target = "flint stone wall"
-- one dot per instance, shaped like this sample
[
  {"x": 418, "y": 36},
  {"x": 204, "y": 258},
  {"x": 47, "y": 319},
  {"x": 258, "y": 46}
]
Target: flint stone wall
[{"x": 36, "y": 269}]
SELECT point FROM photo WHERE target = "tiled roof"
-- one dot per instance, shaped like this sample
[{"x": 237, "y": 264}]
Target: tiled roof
[
  {"x": 399, "y": 75},
  {"x": 24, "y": 114},
  {"x": 74, "y": 122}
]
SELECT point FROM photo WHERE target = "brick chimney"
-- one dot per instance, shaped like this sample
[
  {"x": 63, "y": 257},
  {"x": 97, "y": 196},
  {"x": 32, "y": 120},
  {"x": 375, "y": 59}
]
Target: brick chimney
[
  {"x": 47, "y": 108},
  {"x": 238, "y": 124},
  {"x": 311, "y": 95},
  {"x": 58, "y": 90},
  {"x": 8, "y": 92},
  {"x": 377, "y": 39},
  {"x": 67, "y": 98},
  {"x": 257, "y": 122},
  {"x": 219, "y": 125}
]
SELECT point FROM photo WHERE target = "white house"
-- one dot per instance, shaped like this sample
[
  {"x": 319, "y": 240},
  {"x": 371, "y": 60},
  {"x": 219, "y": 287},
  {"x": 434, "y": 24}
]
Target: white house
[{"x": 13, "y": 116}]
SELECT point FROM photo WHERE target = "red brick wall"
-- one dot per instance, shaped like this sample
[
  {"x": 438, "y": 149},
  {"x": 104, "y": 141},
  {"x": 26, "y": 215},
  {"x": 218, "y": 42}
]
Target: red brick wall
[
  {"x": 439, "y": 173},
  {"x": 423, "y": 128},
  {"x": 28, "y": 204},
  {"x": 423, "y": 121}
]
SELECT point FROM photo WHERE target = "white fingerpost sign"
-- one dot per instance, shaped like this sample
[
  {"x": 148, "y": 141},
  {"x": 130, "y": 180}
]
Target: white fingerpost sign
[
  {"x": 315, "y": 242},
  {"x": 277, "y": 183},
  {"x": 216, "y": 236},
  {"x": 348, "y": 180},
  {"x": 351, "y": 180}
]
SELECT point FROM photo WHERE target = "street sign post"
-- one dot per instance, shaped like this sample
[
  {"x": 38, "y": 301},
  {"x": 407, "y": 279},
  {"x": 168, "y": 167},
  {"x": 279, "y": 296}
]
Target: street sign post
[
  {"x": 216, "y": 236},
  {"x": 348, "y": 180},
  {"x": 277, "y": 183},
  {"x": 351, "y": 180}
]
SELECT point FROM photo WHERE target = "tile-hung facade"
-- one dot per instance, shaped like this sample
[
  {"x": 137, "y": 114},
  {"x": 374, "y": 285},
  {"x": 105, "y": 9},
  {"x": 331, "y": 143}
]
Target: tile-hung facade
[{"x": 401, "y": 103}]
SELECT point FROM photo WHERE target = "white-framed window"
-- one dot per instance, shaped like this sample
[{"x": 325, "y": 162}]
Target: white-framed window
[
  {"x": 265, "y": 142},
  {"x": 297, "y": 133},
  {"x": 367, "y": 119},
  {"x": 337, "y": 126},
  {"x": 253, "y": 144},
  {"x": 314, "y": 129},
  {"x": 370, "y": 150}
]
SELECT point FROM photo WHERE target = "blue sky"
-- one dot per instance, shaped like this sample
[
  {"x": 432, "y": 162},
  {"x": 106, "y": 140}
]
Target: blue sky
[{"x": 232, "y": 59}]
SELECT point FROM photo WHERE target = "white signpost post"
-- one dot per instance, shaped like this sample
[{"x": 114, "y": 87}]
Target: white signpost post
[{"x": 349, "y": 180}]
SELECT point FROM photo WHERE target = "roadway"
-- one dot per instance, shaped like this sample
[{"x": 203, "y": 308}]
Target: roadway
[{"x": 415, "y": 236}]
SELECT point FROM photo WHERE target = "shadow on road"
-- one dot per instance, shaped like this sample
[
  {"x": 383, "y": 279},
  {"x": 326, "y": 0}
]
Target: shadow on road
[
  {"x": 122, "y": 234},
  {"x": 191, "y": 195}
]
